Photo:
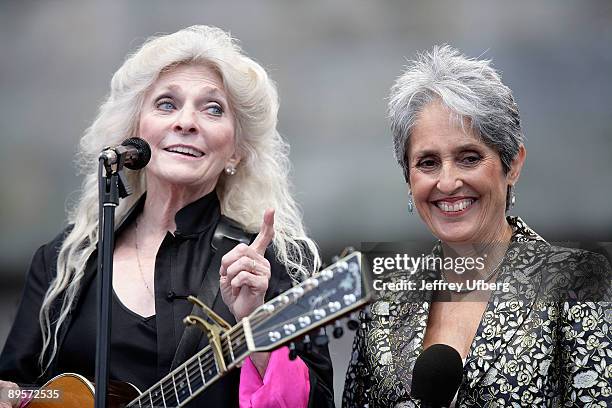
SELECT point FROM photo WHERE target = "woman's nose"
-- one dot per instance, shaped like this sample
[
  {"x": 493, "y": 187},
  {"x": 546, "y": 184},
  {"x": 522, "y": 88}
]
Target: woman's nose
[
  {"x": 450, "y": 179},
  {"x": 186, "y": 122}
]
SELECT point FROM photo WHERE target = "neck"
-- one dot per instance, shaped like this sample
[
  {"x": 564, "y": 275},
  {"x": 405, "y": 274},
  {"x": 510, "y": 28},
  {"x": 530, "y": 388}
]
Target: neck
[
  {"x": 497, "y": 237},
  {"x": 164, "y": 200},
  {"x": 490, "y": 250}
]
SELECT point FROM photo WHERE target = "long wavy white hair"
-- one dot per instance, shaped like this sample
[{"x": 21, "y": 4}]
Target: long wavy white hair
[{"x": 261, "y": 180}]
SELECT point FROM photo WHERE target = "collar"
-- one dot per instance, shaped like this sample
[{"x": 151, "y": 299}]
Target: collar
[
  {"x": 521, "y": 232},
  {"x": 197, "y": 216},
  {"x": 191, "y": 220}
]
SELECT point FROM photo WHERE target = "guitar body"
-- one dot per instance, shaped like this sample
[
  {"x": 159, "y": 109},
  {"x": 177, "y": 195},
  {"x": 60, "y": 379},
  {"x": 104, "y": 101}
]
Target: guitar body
[{"x": 76, "y": 391}]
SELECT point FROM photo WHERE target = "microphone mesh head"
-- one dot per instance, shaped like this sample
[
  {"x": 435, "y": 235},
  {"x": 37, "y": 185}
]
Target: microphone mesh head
[
  {"x": 144, "y": 153},
  {"x": 437, "y": 375}
]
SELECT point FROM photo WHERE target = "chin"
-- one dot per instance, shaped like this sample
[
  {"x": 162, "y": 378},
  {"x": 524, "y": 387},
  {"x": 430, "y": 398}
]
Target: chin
[
  {"x": 454, "y": 232},
  {"x": 180, "y": 179}
]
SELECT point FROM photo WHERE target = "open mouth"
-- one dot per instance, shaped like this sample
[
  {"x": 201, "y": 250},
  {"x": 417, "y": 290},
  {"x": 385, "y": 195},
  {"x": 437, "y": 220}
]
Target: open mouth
[
  {"x": 187, "y": 151},
  {"x": 455, "y": 207}
]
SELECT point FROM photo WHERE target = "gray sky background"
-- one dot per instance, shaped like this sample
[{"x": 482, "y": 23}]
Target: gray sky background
[{"x": 334, "y": 62}]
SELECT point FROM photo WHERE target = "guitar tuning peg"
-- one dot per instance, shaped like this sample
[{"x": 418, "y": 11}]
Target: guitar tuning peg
[
  {"x": 292, "y": 351},
  {"x": 338, "y": 330},
  {"x": 321, "y": 338},
  {"x": 353, "y": 323},
  {"x": 346, "y": 251},
  {"x": 307, "y": 343}
]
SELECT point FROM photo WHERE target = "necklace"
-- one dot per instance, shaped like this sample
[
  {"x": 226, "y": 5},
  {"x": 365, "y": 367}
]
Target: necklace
[
  {"x": 138, "y": 260},
  {"x": 486, "y": 279}
]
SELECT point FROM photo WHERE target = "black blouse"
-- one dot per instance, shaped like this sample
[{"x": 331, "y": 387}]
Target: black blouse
[{"x": 133, "y": 340}]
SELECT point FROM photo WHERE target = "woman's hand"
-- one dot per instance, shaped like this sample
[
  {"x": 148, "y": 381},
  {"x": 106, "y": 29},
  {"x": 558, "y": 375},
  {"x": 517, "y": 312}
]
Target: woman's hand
[
  {"x": 245, "y": 273},
  {"x": 5, "y": 402}
]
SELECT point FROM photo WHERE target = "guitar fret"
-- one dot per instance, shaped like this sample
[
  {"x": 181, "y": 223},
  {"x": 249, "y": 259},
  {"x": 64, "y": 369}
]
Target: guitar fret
[
  {"x": 231, "y": 349},
  {"x": 178, "y": 401},
  {"x": 216, "y": 364},
  {"x": 151, "y": 399},
  {"x": 188, "y": 382},
  {"x": 201, "y": 370},
  {"x": 162, "y": 394}
]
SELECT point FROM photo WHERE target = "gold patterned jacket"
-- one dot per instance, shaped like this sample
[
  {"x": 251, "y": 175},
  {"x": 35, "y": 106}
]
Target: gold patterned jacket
[{"x": 530, "y": 349}]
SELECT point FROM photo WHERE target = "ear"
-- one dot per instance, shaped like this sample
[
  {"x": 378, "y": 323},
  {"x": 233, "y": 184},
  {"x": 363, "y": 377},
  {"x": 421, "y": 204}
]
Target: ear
[
  {"x": 234, "y": 159},
  {"x": 516, "y": 166}
]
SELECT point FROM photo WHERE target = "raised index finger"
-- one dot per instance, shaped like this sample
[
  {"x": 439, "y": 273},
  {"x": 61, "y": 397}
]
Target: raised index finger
[{"x": 266, "y": 233}]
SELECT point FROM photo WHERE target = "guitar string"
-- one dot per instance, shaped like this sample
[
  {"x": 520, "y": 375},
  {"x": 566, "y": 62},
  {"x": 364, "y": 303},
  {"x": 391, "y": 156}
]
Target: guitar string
[
  {"x": 205, "y": 364},
  {"x": 168, "y": 382},
  {"x": 194, "y": 366},
  {"x": 197, "y": 364},
  {"x": 209, "y": 361}
]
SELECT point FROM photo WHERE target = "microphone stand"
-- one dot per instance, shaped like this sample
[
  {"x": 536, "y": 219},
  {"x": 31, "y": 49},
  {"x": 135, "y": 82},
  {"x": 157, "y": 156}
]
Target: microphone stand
[{"x": 111, "y": 187}]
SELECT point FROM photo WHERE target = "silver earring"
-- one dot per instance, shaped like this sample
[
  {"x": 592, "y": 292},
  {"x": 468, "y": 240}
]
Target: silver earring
[
  {"x": 511, "y": 197},
  {"x": 230, "y": 170},
  {"x": 410, "y": 202}
]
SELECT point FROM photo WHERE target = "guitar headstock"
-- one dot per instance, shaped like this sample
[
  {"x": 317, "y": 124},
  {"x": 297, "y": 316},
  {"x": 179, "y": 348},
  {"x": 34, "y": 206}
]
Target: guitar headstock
[{"x": 334, "y": 292}]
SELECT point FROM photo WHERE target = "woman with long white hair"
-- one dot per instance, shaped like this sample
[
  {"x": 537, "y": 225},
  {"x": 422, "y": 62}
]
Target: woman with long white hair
[{"x": 209, "y": 114}]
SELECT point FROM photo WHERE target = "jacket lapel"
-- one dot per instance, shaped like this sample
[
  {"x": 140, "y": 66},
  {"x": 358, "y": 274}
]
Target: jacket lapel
[
  {"x": 500, "y": 326},
  {"x": 408, "y": 315}
]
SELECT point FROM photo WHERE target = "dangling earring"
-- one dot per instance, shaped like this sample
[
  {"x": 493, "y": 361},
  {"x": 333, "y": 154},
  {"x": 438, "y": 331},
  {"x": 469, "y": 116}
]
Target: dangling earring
[
  {"x": 510, "y": 198},
  {"x": 230, "y": 170},
  {"x": 410, "y": 202}
]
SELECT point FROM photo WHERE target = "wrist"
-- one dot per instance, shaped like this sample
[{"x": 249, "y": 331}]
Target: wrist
[{"x": 260, "y": 361}]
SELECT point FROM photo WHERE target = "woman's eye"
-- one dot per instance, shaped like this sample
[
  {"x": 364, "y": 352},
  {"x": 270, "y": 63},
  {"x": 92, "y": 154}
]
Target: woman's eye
[
  {"x": 471, "y": 159},
  {"x": 215, "y": 110},
  {"x": 165, "y": 105},
  {"x": 426, "y": 164}
]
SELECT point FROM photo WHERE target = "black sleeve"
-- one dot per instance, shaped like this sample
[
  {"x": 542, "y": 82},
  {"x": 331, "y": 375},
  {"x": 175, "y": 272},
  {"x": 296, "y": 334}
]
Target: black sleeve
[
  {"x": 318, "y": 360},
  {"x": 19, "y": 358}
]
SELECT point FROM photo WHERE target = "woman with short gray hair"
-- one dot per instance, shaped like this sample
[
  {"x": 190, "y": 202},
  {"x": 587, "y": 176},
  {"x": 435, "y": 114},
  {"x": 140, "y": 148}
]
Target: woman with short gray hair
[{"x": 457, "y": 136}]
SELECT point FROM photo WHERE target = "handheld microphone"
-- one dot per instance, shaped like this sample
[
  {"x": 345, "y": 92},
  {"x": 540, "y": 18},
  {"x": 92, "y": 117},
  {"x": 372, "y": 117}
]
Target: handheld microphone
[
  {"x": 133, "y": 153},
  {"x": 436, "y": 376}
]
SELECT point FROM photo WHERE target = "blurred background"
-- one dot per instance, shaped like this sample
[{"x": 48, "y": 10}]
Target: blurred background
[{"x": 334, "y": 62}]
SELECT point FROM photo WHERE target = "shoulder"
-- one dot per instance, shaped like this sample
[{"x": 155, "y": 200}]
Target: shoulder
[
  {"x": 577, "y": 274},
  {"x": 564, "y": 257},
  {"x": 45, "y": 257}
]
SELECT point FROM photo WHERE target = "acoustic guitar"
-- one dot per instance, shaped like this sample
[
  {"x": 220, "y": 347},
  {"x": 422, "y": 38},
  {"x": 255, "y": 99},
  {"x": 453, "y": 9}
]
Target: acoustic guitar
[{"x": 327, "y": 296}]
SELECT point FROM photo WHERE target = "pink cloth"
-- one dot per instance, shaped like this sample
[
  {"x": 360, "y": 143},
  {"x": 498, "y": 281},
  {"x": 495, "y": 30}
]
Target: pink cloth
[{"x": 285, "y": 384}]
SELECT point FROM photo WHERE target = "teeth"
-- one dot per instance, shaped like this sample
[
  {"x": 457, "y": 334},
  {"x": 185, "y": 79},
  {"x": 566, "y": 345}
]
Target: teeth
[
  {"x": 454, "y": 207},
  {"x": 185, "y": 150}
]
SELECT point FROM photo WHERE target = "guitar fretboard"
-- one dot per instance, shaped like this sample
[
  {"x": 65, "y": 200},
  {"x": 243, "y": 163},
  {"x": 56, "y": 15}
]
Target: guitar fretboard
[{"x": 193, "y": 376}]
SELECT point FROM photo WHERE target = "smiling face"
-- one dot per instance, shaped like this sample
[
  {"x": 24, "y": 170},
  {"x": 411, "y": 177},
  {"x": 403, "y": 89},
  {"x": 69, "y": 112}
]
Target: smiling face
[
  {"x": 187, "y": 121},
  {"x": 457, "y": 181}
]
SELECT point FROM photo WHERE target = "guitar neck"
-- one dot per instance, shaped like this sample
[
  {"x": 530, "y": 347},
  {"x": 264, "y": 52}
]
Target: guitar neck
[
  {"x": 319, "y": 300},
  {"x": 196, "y": 374}
]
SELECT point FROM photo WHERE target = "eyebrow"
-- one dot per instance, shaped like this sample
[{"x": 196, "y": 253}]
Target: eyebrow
[
  {"x": 461, "y": 148},
  {"x": 207, "y": 91}
]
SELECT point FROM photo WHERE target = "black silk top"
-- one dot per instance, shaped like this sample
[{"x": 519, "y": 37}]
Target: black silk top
[{"x": 181, "y": 263}]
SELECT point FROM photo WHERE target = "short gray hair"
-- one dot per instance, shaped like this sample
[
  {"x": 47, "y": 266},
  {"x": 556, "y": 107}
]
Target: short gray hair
[{"x": 469, "y": 87}]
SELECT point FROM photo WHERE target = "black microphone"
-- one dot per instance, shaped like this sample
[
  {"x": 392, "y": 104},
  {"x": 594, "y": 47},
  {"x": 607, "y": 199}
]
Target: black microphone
[
  {"x": 436, "y": 376},
  {"x": 134, "y": 153}
]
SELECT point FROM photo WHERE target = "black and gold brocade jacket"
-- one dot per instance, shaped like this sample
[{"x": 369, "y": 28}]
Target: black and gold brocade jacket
[{"x": 545, "y": 343}]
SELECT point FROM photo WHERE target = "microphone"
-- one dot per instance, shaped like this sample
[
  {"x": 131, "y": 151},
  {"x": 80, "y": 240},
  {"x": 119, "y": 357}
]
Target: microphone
[
  {"x": 436, "y": 376},
  {"x": 133, "y": 153}
]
